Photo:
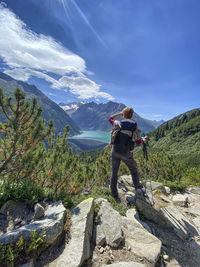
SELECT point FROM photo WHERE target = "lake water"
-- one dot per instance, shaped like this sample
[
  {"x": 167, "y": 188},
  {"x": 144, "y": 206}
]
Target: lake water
[{"x": 94, "y": 135}]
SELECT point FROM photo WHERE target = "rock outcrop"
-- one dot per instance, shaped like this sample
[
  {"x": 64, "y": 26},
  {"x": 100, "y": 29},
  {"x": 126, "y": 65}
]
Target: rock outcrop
[
  {"x": 167, "y": 232},
  {"x": 110, "y": 225},
  {"x": 78, "y": 249},
  {"x": 52, "y": 224}
]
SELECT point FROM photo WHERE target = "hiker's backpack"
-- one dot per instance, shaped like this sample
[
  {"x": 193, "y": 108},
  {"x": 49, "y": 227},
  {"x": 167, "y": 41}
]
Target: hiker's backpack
[
  {"x": 126, "y": 135},
  {"x": 114, "y": 133}
]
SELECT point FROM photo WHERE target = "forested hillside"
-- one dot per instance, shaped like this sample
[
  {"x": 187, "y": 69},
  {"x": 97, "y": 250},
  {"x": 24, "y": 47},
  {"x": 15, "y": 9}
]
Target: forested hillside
[
  {"x": 179, "y": 136},
  {"x": 50, "y": 110}
]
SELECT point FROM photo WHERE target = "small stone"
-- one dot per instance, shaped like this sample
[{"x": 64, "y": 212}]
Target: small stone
[
  {"x": 180, "y": 200},
  {"x": 167, "y": 190},
  {"x": 17, "y": 221},
  {"x": 38, "y": 211},
  {"x": 99, "y": 200},
  {"x": 112, "y": 257},
  {"x": 166, "y": 257},
  {"x": 101, "y": 250},
  {"x": 95, "y": 257},
  {"x": 165, "y": 199},
  {"x": 107, "y": 248},
  {"x": 129, "y": 248}
]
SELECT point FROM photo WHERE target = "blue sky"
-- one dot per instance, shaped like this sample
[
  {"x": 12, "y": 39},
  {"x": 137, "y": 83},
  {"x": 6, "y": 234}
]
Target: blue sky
[{"x": 145, "y": 54}]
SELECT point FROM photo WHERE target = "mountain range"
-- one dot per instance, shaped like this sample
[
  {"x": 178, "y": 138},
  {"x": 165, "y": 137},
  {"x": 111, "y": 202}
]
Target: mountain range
[
  {"x": 179, "y": 136},
  {"x": 50, "y": 110},
  {"x": 93, "y": 116}
]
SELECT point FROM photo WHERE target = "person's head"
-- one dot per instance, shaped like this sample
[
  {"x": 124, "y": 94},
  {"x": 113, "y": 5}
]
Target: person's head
[{"x": 127, "y": 112}]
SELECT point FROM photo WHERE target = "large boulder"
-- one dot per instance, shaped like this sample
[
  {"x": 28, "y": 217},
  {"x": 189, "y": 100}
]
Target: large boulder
[
  {"x": 141, "y": 242},
  {"x": 110, "y": 221},
  {"x": 152, "y": 214},
  {"x": 180, "y": 224},
  {"x": 78, "y": 248},
  {"x": 133, "y": 215},
  {"x": 51, "y": 224}
]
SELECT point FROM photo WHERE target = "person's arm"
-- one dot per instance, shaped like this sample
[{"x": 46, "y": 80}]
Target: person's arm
[
  {"x": 111, "y": 118},
  {"x": 116, "y": 115}
]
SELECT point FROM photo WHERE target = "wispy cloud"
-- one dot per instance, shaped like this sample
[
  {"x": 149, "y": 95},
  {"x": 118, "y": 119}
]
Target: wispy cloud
[
  {"x": 83, "y": 16},
  {"x": 29, "y": 54}
]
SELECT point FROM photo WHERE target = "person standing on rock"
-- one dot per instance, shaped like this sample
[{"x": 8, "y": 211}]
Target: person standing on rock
[{"x": 125, "y": 135}]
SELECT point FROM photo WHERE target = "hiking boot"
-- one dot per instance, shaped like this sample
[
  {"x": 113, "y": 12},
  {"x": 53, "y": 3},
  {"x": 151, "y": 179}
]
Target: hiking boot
[{"x": 141, "y": 193}]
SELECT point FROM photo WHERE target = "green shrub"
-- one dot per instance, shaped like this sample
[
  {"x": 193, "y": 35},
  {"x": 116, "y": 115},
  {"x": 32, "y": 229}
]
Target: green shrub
[
  {"x": 192, "y": 176},
  {"x": 13, "y": 254},
  {"x": 25, "y": 191}
]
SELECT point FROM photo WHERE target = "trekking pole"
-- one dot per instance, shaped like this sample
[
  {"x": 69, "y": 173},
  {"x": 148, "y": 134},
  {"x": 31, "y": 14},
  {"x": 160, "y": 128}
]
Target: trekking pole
[{"x": 145, "y": 155}]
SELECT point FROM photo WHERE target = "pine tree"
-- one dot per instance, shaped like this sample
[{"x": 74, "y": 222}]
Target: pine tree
[{"x": 21, "y": 151}]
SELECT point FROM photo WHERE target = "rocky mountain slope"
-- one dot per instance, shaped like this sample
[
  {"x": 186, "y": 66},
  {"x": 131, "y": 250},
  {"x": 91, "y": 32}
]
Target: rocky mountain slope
[
  {"x": 51, "y": 111},
  {"x": 71, "y": 107},
  {"x": 93, "y": 116}
]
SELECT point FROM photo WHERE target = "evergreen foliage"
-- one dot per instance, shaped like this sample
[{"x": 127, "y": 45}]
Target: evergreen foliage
[{"x": 20, "y": 147}]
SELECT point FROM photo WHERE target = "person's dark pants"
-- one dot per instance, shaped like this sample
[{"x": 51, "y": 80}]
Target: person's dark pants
[{"x": 130, "y": 163}]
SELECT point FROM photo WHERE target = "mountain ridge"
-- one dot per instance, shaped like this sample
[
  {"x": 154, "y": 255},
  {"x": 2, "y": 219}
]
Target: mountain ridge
[
  {"x": 93, "y": 116},
  {"x": 50, "y": 110}
]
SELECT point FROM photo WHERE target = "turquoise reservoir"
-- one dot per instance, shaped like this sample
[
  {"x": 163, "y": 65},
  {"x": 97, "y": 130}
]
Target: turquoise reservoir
[{"x": 94, "y": 135}]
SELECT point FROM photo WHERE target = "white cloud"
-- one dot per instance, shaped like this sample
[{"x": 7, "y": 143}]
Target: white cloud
[{"x": 29, "y": 54}]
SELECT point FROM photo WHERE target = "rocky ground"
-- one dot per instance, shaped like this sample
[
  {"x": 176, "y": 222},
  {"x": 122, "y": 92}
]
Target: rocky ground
[{"x": 161, "y": 231}]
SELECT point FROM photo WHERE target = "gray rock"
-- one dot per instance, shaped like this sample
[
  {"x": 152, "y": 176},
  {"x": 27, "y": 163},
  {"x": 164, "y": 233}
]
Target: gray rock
[
  {"x": 181, "y": 200},
  {"x": 38, "y": 211},
  {"x": 133, "y": 215},
  {"x": 167, "y": 190},
  {"x": 28, "y": 264},
  {"x": 194, "y": 209},
  {"x": 152, "y": 186},
  {"x": 110, "y": 220},
  {"x": 196, "y": 191},
  {"x": 78, "y": 248},
  {"x": 140, "y": 242},
  {"x": 196, "y": 221},
  {"x": 51, "y": 224},
  {"x": 165, "y": 257},
  {"x": 125, "y": 264},
  {"x": 152, "y": 214},
  {"x": 165, "y": 199},
  {"x": 192, "y": 198},
  {"x": 100, "y": 238},
  {"x": 180, "y": 224},
  {"x": 126, "y": 179},
  {"x": 14, "y": 209},
  {"x": 173, "y": 263},
  {"x": 99, "y": 200}
]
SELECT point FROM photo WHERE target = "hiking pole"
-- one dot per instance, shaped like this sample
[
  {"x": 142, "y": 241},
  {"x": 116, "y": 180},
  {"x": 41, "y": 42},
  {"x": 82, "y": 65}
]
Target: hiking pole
[{"x": 145, "y": 155}]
